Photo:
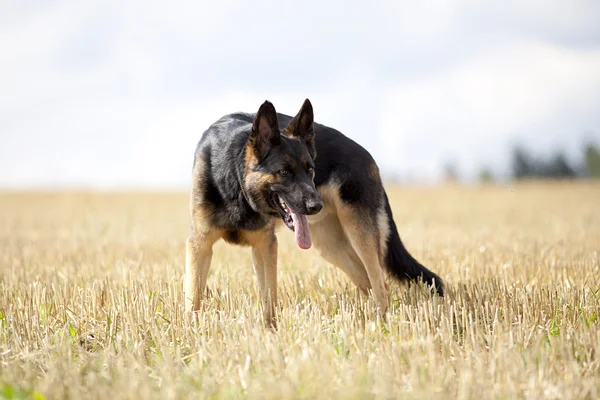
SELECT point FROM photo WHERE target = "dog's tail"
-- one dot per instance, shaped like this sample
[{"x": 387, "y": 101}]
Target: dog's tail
[{"x": 401, "y": 264}]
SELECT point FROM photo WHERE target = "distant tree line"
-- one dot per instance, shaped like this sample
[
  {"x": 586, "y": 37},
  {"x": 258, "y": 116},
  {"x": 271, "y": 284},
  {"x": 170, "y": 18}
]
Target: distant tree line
[
  {"x": 524, "y": 165},
  {"x": 557, "y": 166}
]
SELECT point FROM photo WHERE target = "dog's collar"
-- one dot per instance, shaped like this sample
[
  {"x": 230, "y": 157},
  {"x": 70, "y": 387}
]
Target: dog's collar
[
  {"x": 237, "y": 176},
  {"x": 242, "y": 188}
]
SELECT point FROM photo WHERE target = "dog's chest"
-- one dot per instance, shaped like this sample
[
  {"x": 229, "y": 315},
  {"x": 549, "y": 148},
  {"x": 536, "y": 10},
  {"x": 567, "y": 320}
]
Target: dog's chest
[{"x": 234, "y": 217}]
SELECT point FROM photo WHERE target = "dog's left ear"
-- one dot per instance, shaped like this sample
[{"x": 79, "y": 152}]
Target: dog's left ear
[
  {"x": 302, "y": 126},
  {"x": 265, "y": 131}
]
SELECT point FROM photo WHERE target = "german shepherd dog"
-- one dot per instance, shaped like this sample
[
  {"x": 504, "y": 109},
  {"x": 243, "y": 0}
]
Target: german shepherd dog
[{"x": 249, "y": 175}]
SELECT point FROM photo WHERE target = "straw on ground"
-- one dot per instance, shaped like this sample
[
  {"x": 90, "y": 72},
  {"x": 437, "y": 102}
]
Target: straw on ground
[{"x": 91, "y": 303}]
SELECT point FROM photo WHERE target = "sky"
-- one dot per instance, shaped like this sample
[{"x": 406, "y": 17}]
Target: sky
[{"x": 116, "y": 94}]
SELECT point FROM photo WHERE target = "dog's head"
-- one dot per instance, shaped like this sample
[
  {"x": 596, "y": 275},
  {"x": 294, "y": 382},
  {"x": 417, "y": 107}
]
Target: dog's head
[{"x": 280, "y": 169}]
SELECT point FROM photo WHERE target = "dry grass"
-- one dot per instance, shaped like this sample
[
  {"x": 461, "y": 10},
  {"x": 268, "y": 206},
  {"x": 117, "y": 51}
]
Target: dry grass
[{"x": 91, "y": 303}]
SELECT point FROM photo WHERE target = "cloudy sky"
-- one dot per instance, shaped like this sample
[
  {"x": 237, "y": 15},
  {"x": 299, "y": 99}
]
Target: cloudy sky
[{"x": 116, "y": 94}]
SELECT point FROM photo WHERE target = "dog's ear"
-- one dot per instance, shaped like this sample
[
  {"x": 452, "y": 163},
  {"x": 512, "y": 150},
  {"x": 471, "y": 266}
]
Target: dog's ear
[
  {"x": 302, "y": 126},
  {"x": 265, "y": 130}
]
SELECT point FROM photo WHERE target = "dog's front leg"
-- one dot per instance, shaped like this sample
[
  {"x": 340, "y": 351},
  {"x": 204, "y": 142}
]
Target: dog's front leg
[
  {"x": 264, "y": 258},
  {"x": 198, "y": 256}
]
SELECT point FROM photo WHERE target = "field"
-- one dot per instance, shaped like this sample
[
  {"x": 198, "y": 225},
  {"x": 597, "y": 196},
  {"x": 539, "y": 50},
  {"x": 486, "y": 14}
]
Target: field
[{"x": 91, "y": 303}]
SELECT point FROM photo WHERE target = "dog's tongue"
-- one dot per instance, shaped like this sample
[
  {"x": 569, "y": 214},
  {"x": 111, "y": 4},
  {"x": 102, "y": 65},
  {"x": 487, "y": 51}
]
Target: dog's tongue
[{"x": 301, "y": 230}]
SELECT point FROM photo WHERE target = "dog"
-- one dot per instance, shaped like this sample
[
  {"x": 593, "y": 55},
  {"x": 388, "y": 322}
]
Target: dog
[{"x": 249, "y": 176}]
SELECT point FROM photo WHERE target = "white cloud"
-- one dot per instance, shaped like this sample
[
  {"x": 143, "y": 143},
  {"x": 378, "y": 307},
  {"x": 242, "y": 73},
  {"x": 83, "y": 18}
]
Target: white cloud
[
  {"x": 110, "y": 93},
  {"x": 471, "y": 110}
]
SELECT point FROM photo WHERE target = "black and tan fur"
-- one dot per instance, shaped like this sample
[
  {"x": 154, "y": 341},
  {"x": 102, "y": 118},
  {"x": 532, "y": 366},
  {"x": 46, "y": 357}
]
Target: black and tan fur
[{"x": 245, "y": 163}]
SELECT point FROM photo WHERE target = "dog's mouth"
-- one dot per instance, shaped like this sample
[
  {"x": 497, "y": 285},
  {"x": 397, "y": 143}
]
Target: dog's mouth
[{"x": 295, "y": 221}]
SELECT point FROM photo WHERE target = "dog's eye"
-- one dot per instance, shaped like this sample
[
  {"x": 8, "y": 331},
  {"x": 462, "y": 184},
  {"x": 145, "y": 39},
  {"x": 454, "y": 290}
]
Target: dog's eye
[
  {"x": 311, "y": 170},
  {"x": 283, "y": 172}
]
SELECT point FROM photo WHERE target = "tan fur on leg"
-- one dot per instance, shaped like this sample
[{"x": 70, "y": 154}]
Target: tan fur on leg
[
  {"x": 363, "y": 234},
  {"x": 198, "y": 257},
  {"x": 333, "y": 245},
  {"x": 264, "y": 259}
]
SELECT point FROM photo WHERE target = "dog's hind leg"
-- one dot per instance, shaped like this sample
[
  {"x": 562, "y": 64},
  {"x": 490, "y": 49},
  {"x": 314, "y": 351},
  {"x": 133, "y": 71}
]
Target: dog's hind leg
[
  {"x": 332, "y": 244},
  {"x": 362, "y": 231}
]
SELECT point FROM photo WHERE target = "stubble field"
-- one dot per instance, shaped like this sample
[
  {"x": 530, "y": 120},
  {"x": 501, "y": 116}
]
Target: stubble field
[{"x": 91, "y": 303}]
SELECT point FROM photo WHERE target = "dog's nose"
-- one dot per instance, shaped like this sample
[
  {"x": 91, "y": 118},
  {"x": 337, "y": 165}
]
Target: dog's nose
[{"x": 313, "y": 206}]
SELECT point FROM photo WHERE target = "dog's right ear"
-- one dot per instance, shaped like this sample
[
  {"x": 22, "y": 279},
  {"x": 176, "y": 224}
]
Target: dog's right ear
[
  {"x": 301, "y": 127},
  {"x": 265, "y": 130}
]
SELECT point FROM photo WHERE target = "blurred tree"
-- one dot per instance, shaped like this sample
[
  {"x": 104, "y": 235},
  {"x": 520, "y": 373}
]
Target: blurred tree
[
  {"x": 486, "y": 176},
  {"x": 592, "y": 160},
  {"x": 523, "y": 165},
  {"x": 557, "y": 167},
  {"x": 450, "y": 172}
]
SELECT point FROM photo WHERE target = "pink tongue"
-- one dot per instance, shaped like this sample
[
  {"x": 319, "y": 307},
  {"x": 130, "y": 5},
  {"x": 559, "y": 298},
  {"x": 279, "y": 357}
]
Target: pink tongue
[{"x": 301, "y": 230}]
